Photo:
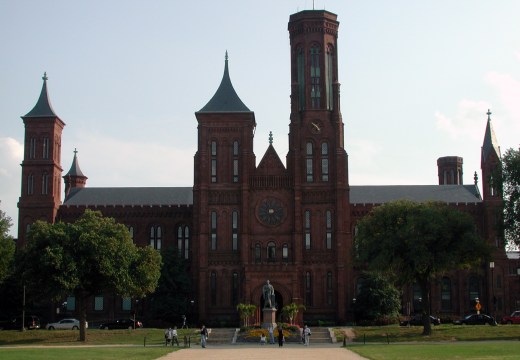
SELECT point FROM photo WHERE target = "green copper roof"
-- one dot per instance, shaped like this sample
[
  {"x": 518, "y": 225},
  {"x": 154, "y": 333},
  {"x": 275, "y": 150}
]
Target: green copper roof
[
  {"x": 226, "y": 98},
  {"x": 43, "y": 107}
]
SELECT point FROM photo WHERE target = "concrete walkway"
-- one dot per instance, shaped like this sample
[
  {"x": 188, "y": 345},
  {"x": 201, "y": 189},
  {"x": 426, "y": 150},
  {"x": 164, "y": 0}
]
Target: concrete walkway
[{"x": 262, "y": 352}]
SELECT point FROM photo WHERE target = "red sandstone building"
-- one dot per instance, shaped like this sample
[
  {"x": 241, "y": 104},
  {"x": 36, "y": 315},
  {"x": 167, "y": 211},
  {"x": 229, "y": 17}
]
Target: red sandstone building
[{"x": 241, "y": 223}]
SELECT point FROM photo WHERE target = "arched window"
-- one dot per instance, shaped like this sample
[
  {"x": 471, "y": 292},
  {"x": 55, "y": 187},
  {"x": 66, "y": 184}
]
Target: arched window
[
  {"x": 213, "y": 161},
  {"x": 328, "y": 225},
  {"x": 324, "y": 161},
  {"x": 285, "y": 252},
  {"x": 234, "y": 289},
  {"x": 473, "y": 289},
  {"x": 308, "y": 289},
  {"x": 329, "y": 288},
  {"x": 258, "y": 253},
  {"x": 213, "y": 288},
  {"x": 131, "y": 231},
  {"x": 300, "y": 60},
  {"x": 315, "y": 77},
  {"x": 271, "y": 251},
  {"x": 45, "y": 183},
  {"x": 213, "y": 230},
  {"x": 234, "y": 230},
  {"x": 329, "y": 79},
  {"x": 183, "y": 241},
  {"x": 308, "y": 162},
  {"x": 156, "y": 237},
  {"x": 235, "y": 161},
  {"x": 446, "y": 294},
  {"x": 45, "y": 148},
  {"x": 32, "y": 148},
  {"x": 307, "y": 229},
  {"x": 30, "y": 184}
]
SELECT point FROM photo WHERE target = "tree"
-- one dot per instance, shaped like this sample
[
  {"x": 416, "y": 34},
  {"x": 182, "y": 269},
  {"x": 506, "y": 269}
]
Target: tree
[
  {"x": 511, "y": 189},
  {"x": 170, "y": 300},
  {"x": 378, "y": 301},
  {"x": 291, "y": 311},
  {"x": 245, "y": 311},
  {"x": 7, "y": 247},
  {"x": 418, "y": 241},
  {"x": 85, "y": 258}
]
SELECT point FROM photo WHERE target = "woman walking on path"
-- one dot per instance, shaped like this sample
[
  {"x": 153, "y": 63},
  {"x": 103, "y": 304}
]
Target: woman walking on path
[{"x": 280, "y": 336}]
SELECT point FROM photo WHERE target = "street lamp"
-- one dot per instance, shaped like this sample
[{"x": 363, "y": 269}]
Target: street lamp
[{"x": 492, "y": 267}]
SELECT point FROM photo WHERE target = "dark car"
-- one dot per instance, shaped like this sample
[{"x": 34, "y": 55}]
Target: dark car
[
  {"x": 417, "y": 320},
  {"x": 476, "y": 319},
  {"x": 121, "y": 324},
  {"x": 31, "y": 322},
  {"x": 514, "y": 318}
]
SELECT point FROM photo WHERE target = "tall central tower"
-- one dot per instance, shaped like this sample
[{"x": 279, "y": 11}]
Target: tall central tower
[{"x": 317, "y": 159}]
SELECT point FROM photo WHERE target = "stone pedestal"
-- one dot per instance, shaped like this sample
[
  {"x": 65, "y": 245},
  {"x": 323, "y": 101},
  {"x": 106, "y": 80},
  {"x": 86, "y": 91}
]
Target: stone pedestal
[{"x": 269, "y": 318}]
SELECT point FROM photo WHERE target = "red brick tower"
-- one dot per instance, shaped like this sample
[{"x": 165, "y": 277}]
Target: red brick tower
[
  {"x": 318, "y": 164},
  {"x": 41, "y": 166}
]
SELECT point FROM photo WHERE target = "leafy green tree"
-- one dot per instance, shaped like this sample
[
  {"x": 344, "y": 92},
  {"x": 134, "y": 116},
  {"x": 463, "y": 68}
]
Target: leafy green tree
[
  {"x": 85, "y": 258},
  {"x": 7, "y": 247},
  {"x": 417, "y": 242},
  {"x": 511, "y": 189},
  {"x": 245, "y": 312},
  {"x": 292, "y": 310},
  {"x": 171, "y": 298},
  {"x": 378, "y": 300}
]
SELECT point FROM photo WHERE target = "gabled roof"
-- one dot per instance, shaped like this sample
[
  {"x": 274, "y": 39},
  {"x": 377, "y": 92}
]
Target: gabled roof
[
  {"x": 130, "y": 196},
  {"x": 43, "y": 107},
  {"x": 74, "y": 169},
  {"x": 490, "y": 141},
  {"x": 380, "y": 194},
  {"x": 226, "y": 98},
  {"x": 270, "y": 163}
]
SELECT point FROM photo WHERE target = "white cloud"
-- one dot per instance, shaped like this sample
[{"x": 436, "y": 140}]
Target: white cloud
[
  {"x": 508, "y": 91},
  {"x": 467, "y": 121},
  {"x": 11, "y": 154}
]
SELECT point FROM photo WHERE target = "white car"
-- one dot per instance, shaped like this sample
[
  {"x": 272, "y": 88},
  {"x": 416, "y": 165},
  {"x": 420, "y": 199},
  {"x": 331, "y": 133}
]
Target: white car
[{"x": 65, "y": 324}]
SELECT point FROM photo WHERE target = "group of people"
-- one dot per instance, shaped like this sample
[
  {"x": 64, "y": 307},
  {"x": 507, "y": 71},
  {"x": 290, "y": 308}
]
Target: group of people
[
  {"x": 306, "y": 333},
  {"x": 170, "y": 335}
]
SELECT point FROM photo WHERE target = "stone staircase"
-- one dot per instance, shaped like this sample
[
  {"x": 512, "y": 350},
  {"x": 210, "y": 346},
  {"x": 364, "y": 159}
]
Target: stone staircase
[
  {"x": 321, "y": 335},
  {"x": 221, "y": 336}
]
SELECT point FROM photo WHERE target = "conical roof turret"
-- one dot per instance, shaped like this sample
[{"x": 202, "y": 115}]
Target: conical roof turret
[
  {"x": 74, "y": 169},
  {"x": 43, "y": 107},
  {"x": 225, "y": 98},
  {"x": 490, "y": 144}
]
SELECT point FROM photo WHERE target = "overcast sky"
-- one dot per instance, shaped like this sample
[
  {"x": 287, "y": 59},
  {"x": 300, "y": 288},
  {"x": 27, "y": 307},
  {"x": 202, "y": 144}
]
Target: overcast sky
[{"x": 417, "y": 78}]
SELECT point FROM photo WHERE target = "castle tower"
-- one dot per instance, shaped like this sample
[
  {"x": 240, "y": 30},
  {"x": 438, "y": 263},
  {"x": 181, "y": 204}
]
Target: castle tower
[
  {"x": 317, "y": 160},
  {"x": 450, "y": 170},
  {"x": 41, "y": 166},
  {"x": 74, "y": 178},
  {"x": 223, "y": 165},
  {"x": 490, "y": 164}
]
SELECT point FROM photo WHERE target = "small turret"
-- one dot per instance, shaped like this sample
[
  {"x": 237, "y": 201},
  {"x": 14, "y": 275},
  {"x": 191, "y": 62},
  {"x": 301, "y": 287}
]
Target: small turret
[
  {"x": 74, "y": 178},
  {"x": 450, "y": 170}
]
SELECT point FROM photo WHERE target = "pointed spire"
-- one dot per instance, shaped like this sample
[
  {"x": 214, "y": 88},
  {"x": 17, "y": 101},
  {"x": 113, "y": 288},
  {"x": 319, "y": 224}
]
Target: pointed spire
[
  {"x": 43, "y": 107},
  {"x": 225, "y": 98},
  {"x": 490, "y": 141},
  {"x": 270, "y": 138},
  {"x": 74, "y": 169}
]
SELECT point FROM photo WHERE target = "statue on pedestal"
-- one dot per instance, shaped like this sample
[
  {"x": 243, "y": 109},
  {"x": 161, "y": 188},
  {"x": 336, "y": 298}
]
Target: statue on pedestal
[{"x": 269, "y": 298}]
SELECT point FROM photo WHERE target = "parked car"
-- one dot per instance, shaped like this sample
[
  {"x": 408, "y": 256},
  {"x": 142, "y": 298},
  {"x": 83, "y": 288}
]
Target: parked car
[
  {"x": 417, "y": 320},
  {"x": 476, "y": 319},
  {"x": 65, "y": 324},
  {"x": 514, "y": 318},
  {"x": 32, "y": 322},
  {"x": 121, "y": 324}
]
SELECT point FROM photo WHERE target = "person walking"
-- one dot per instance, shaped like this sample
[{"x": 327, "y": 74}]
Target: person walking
[
  {"x": 203, "y": 336},
  {"x": 271, "y": 334},
  {"x": 280, "y": 337},
  {"x": 306, "y": 335}
]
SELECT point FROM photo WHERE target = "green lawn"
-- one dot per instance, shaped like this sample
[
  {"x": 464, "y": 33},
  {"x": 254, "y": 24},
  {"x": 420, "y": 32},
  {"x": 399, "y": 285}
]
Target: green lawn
[
  {"x": 84, "y": 353},
  {"x": 449, "y": 332},
  {"x": 489, "y": 350}
]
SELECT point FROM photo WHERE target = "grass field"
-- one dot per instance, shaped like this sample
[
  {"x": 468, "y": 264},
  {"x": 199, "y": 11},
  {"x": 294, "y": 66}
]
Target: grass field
[
  {"x": 84, "y": 353},
  {"x": 489, "y": 350}
]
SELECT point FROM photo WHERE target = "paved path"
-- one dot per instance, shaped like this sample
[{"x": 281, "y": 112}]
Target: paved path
[{"x": 258, "y": 352}]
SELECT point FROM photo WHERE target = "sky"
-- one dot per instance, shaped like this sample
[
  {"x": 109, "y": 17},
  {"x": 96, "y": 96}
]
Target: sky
[{"x": 417, "y": 78}]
